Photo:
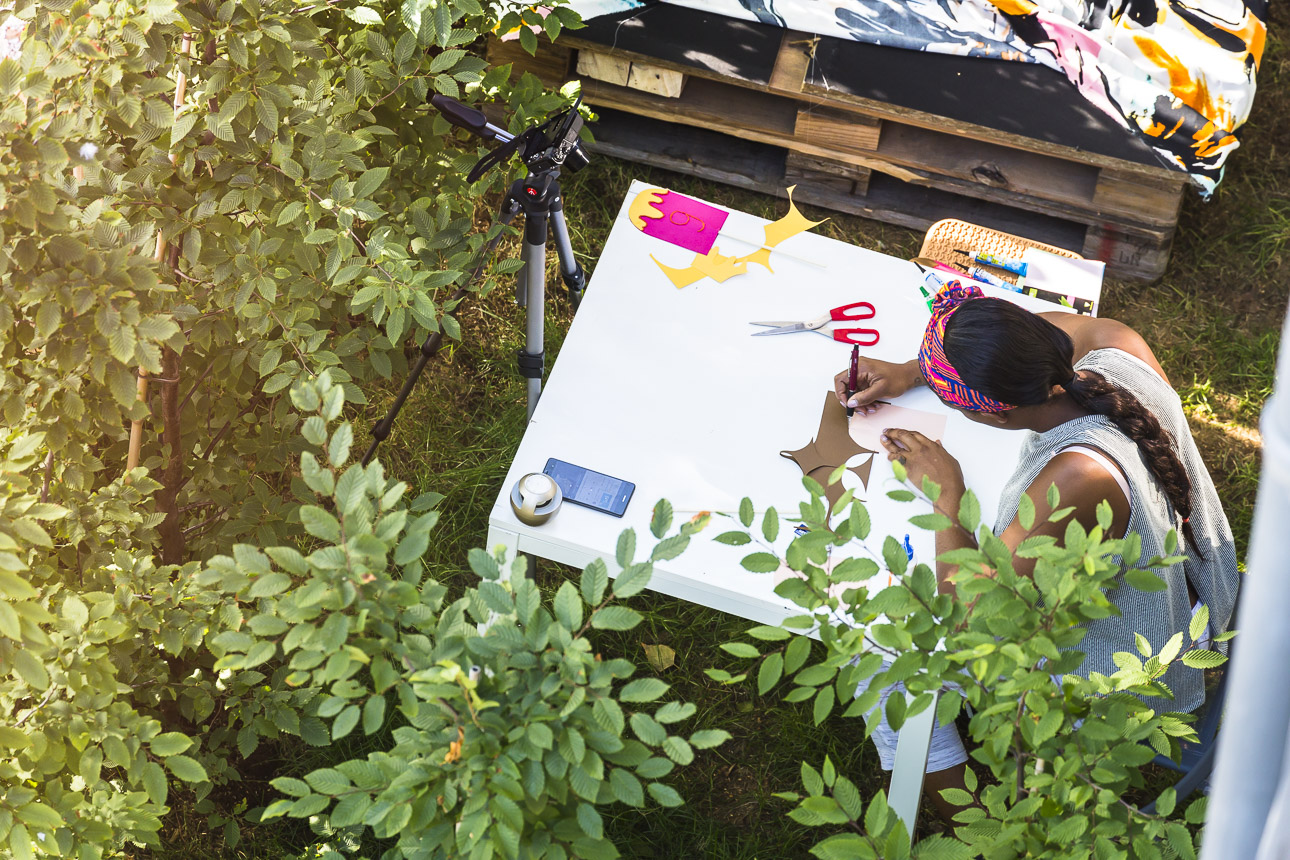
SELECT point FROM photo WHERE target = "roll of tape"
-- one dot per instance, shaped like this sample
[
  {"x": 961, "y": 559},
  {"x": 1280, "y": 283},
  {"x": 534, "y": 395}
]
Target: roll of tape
[{"x": 536, "y": 498}]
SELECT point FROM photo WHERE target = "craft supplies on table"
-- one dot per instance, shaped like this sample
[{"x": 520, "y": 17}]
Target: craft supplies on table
[{"x": 853, "y": 312}]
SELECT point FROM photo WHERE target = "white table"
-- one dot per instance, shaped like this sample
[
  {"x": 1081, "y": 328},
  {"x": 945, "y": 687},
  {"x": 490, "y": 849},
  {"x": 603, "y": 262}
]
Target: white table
[{"x": 666, "y": 388}]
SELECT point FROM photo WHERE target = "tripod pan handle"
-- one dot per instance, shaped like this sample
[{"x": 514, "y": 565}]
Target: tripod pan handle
[{"x": 460, "y": 115}]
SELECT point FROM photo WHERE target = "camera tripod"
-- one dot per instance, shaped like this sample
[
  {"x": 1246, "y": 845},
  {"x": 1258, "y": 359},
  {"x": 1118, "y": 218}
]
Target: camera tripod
[{"x": 544, "y": 149}]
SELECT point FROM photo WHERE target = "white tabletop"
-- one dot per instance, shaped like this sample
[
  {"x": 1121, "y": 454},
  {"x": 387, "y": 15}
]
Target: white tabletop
[{"x": 667, "y": 389}]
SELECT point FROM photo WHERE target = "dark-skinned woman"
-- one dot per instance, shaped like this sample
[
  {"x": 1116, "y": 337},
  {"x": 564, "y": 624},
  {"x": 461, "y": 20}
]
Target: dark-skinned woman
[{"x": 1103, "y": 423}]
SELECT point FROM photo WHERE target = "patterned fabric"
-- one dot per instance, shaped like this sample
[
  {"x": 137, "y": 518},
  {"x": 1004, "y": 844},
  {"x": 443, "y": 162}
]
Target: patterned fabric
[
  {"x": 1179, "y": 73},
  {"x": 941, "y": 376}
]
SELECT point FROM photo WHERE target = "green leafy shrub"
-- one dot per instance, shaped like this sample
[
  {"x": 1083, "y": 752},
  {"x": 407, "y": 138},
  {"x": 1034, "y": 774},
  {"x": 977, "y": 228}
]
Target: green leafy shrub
[{"x": 1063, "y": 751}]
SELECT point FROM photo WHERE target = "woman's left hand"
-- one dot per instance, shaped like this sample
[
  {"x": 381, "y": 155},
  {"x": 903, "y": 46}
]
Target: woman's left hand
[{"x": 923, "y": 457}]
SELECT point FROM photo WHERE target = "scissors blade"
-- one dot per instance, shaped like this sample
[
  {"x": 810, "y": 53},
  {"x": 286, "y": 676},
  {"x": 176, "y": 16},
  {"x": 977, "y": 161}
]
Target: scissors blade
[
  {"x": 784, "y": 329},
  {"x": 774, "y": 322}
]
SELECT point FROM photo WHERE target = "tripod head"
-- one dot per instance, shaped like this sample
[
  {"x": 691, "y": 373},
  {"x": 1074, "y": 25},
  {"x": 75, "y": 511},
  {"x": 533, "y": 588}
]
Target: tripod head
[{"x": 543, "y": 148}]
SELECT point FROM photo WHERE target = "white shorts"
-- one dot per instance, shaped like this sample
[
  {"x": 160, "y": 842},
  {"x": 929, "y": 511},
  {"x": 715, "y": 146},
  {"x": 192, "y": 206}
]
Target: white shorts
[{"x": 947, "y": 748}]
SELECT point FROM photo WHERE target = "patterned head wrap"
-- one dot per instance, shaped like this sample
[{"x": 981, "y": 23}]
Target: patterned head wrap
[{"x": 941, "y": 376}]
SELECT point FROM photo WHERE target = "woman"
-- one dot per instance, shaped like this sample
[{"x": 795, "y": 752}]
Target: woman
[{"x": 1105, "y": 424}]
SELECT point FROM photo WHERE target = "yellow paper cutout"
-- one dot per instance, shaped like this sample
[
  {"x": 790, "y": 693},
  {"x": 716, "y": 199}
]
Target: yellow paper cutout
[
  {"x": 643, "y": 207},
  {"x": 680, "y": 277},
  {"x": 790, "y": 225},
  {"x": 761, "y": 256},
  {"x": 717, "y": 267},
  {"x": 713, "y": 265}
]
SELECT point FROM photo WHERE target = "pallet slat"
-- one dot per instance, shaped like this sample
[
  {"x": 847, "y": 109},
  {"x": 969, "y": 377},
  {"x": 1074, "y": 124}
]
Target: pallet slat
[{"x": 882, "y": 161}]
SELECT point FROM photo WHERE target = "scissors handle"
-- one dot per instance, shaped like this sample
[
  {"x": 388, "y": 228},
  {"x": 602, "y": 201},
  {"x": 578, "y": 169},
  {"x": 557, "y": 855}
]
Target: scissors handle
[
  {"x": 853, "y": 311},
  {"x": 856, "y": 336}
]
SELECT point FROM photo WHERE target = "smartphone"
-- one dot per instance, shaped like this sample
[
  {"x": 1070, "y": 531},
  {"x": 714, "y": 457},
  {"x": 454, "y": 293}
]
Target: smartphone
[{"x": 590, "y": 489}]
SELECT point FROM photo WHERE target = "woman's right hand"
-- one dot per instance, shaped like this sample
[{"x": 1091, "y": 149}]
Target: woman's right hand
[{"x": 876, "y": 380}]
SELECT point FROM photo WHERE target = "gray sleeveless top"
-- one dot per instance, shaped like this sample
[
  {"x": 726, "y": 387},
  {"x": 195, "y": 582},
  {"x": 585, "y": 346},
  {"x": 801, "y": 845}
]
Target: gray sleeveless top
[{"x": 1214, "y": 576}]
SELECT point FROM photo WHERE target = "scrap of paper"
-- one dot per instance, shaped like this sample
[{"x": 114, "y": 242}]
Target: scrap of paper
[
  {"x": 685, "y": 223},
  {"x": 675, "y": 218},
  {"x": 865, "y": 429}
]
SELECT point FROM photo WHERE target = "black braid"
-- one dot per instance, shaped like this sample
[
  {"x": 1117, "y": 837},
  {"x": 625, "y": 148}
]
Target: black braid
[
  {"x": 1090, "y": 391},
  {"x": 1016, "y": 357}
]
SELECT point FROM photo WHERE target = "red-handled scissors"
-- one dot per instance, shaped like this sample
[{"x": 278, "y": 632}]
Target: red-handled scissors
[{"x": 847, "y": 313}]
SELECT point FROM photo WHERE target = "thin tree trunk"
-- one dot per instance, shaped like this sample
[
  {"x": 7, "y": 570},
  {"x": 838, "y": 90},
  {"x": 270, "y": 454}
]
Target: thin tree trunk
[{"x": 172, "y": 476}]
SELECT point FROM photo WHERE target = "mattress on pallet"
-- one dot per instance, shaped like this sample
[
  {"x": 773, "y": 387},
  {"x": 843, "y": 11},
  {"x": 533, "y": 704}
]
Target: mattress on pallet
[{"x": 1176, "y": 81}]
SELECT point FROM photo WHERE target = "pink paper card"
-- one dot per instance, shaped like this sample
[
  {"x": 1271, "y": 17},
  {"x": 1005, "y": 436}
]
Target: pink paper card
[
  {"x": 675, "y": 218},
  {"x": 865, "y": 429}
]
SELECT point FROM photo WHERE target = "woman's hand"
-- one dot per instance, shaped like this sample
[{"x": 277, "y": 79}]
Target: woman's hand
[
  {"x": 876, "y": 380},
  {"x": 924, "y": 457}
]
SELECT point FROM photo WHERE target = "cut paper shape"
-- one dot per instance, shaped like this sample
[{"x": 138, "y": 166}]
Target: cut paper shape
[
  {"x": 711, "y": 265},
  {"x": 790, "y": 225},
  {"x": 831, "y": 447},
  {"x": 865, "y": 429},
  {"x": 677, "y": 219}
]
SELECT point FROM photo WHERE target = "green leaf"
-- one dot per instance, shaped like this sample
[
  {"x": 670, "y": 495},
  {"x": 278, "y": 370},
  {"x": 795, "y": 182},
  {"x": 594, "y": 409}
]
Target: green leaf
[
  {"x": 370, "y": 181},
  {"x": 1199, "y": 621},
  {"x": 709, "y": 738},
  {"x": 169, "y": 743},
  {"x": 770, "y": 525},
  {"x": 746, "y": 512},
  {"x": 761, "y": 562},
  {"x": 678, "y": 750},
  {"x": 664, "y": 795},
  {"x": 626, "y": 787},
  {"x": 1144, "y": 580},
  {"x": 30, "y": 670},
  {"x": 615, "y": 618},
  {"x": 338, "y": 448},
  {"x": 590, "y": 822},
  {"x": 1203, "y": 659},
  {"x": 670, "y": 548},
  {"x": 772, "y": 669},
  {"x": 970, "y": 512},
  {"x": 733, "y": 538},
  {"x": 155, "y": 782},
  {"x": 824, "y": 701},
  {"x": 633, "y": 580},
  {"x": 643, "y": 690},
  {"x": 661, "y": 521},
  {"x": 740, "y": 649},
  {"x": 1026, "y": 511},
  {"x": 186, "y": 768},
  {"x": 626, "y": 547},
  {"x": 594, "y": 580},
  {"x": 568, "y": 606}
]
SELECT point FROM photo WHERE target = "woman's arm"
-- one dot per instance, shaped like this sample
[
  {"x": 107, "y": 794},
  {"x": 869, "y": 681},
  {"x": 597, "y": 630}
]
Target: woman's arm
[{"x": 1081, "y": 483}]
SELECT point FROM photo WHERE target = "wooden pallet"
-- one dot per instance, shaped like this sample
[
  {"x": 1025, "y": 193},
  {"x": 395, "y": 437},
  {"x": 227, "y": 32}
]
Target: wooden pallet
[{"x": 867, "y": 157}]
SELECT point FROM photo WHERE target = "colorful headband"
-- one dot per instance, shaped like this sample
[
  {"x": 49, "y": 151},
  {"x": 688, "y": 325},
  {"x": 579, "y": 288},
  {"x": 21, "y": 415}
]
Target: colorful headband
[{"x": 941, "y": 376}]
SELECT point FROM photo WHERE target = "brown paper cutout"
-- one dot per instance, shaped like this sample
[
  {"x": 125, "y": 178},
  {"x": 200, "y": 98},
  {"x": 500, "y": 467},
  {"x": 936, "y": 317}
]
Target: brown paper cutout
[{"x": 831, "y": 447}]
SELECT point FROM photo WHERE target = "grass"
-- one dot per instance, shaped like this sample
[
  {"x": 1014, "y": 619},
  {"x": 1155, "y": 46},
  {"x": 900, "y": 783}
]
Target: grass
[{"x": 1213, "y": 320}]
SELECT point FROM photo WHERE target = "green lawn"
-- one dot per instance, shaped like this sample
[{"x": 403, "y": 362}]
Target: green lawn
[{"x": 1213, "y": 320}]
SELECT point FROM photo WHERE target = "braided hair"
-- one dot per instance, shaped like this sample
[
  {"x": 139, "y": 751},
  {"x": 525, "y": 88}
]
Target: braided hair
[{"x": 1012, "y": 355}]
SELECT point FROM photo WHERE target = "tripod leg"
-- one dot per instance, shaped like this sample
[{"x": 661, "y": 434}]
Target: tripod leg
[
  {"x": 532, "y": 358},
  {"x": 575, "y": 279},
  {"x": 432, "y": 343}
]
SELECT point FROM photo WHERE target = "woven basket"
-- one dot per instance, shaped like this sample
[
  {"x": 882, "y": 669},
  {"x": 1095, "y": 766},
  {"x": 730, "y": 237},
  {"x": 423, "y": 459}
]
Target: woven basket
[{"x": 949, "y": 234}]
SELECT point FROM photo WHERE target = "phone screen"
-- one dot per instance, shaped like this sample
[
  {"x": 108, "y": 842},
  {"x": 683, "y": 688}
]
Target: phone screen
[{"x": 591, "y": 489}]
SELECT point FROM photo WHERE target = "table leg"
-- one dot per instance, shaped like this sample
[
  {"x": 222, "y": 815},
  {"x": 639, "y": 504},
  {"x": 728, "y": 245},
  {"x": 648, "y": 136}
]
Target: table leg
[
  {"x": 915, "y": 741},
  {"x": 503, "y": 536}
]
